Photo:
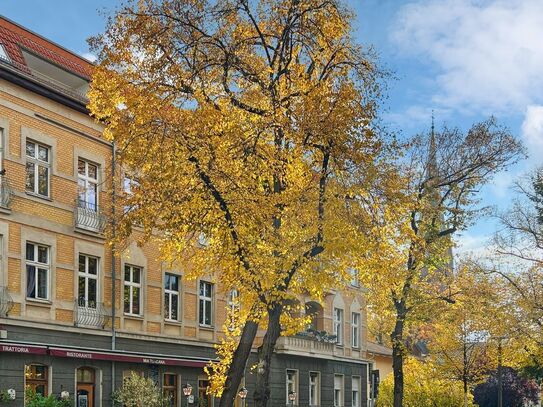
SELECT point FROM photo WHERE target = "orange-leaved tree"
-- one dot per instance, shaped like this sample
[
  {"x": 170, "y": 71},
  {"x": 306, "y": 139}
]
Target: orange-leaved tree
[{"x": 247, "y": 126}]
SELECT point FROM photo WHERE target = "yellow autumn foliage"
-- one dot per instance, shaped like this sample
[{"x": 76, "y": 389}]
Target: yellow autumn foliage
[{"x": 424, "y": 387}]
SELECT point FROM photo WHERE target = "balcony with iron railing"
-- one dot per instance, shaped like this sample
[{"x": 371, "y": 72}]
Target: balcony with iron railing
[
  {"x": 5, "y": 191},
  {"x": 6, "y": 302},
  {"x": 89, "y": 217},
  {"x": 89, "y": 313}
]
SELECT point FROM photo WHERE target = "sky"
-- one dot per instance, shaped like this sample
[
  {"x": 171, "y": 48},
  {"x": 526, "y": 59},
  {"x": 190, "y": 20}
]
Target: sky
[{"x": 463, "y": 59}]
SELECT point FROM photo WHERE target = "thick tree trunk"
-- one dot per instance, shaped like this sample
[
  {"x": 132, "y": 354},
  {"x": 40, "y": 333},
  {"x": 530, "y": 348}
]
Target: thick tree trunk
[
  {"x": 239, "y": 362},
  {"x": 262, "y": 391},
  {"x": 398, "y": 355}
]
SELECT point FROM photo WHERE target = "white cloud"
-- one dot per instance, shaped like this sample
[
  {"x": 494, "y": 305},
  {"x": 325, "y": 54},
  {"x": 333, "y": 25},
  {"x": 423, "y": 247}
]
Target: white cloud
[
  {"x": 89, "y": 56},
  {"x": 488, "y": 53},
  {"x": 532, "y": 131},
  {"x": 472, "y": 245}
]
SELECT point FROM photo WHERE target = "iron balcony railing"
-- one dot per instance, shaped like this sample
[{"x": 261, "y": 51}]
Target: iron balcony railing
[
  {"x": 89, "y": 217},
  {"x": 6, "y": 302},
  {"x": 91, "y": 313},
  {"x": 5, "y": 192}
]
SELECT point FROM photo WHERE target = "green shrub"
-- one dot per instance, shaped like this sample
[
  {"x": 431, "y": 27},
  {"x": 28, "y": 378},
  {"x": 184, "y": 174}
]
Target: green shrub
[
  {"x": 37, "y": 400},
  {"x": 138, "y": 391}
]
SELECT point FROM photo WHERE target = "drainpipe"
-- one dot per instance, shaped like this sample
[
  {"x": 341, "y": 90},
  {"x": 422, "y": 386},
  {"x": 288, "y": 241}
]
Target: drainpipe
[{"x": 113, "y": 265}]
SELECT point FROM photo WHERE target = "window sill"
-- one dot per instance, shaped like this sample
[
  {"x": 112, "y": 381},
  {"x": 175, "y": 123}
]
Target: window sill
[
  {"x": 39, "y": 302},
  {"x": 34, "y": 195},
  {"x": 133, "y": 316},
  {"x": 173, "y": 322},
  {"x": 207, "y": 327}
]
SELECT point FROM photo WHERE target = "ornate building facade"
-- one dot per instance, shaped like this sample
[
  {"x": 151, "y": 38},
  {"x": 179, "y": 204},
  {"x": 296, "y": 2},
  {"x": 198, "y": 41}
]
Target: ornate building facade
[{"x": 75, "y": 317}]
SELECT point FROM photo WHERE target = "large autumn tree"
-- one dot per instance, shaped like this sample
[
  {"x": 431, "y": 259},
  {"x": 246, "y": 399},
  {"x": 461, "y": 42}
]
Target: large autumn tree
[
  {"x": 442, "y": 173},
  {"x": 246, "y": 128}
]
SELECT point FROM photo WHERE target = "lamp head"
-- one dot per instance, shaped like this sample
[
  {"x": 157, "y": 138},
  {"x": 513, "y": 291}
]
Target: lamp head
[
  {"x": 187, "y": 389},
  {"x": 242, "y": 393}
]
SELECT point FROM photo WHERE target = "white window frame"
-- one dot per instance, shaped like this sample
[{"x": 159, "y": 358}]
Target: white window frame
[
  {"x": 3, "y": 53},
  {"x": 37, "y": 164},
  {"x": 317, "y": 385},
  {"x": 355, "y": 277},
  {"x": 338, "y": 325},
  {"x": 233, "y": 300},
  {"x": 170, "y": 293},
  {"x": 339, "y": 391},
  {"x": 356, "y": 399},
  {"x": 355, "y": 330},
  {"x": 2, "y": 137},
  {"x": 207, "y": 304},
  {"x": 88, "y": 276},
  {"x": 131, "y": 284},
  {"x": 46, "y": 267},
  {"x": 88, "y": 181},
  {"x": 291, "y": 384}
]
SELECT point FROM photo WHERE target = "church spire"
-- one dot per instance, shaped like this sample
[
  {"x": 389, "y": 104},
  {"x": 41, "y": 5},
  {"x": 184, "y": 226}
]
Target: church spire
[{"x": 432, "y": 159}]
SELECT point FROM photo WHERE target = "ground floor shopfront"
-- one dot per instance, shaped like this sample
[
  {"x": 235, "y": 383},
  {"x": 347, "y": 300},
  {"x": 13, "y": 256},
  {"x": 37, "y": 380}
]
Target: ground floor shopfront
[{"x": 85, "y": 366}]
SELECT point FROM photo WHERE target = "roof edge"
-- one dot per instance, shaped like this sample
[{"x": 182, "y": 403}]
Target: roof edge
[{"x": 46, "y": 39}]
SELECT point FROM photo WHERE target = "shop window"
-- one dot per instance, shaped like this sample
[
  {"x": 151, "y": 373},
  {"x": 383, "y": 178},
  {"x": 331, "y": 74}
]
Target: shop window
[
  {"x": 291, "y": 385},
  {"x": 205, "y": 399},
  {"x": 356, "y": 391},
  {"x": 36, "y": 379},
  {"x": 314, "y": 388},
  {"x": 170, "y": 388},
  {"x": 338, "y": 391}
]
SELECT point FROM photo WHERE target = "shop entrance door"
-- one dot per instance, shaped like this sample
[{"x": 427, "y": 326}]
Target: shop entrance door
[
  {"x": 85, "y": 395},
  {"x": 85, "y": 387}
]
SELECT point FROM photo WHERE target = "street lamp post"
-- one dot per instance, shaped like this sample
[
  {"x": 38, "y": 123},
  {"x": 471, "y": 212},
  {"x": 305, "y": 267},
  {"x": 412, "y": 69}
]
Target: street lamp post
[
  {"x": 187, "y": 390},
  {"x": 242, "y": 395},
  {"x": 291, "y": 397},
  {"x": 500, "y": 380}
]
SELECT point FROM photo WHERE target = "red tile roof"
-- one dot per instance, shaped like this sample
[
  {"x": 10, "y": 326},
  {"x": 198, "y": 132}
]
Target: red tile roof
[{"x": 14, "y": 37}]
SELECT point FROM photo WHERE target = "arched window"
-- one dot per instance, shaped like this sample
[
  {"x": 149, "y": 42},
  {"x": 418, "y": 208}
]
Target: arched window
[
  {"x": 315, "y": 311},
  {"x": 85, "y": 375}
]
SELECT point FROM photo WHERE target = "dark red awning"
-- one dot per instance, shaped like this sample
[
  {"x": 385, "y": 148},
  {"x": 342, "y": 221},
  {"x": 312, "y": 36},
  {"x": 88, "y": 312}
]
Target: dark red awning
[{"x": 94, "y": 354}]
